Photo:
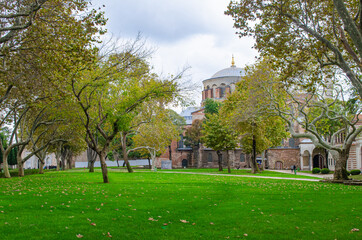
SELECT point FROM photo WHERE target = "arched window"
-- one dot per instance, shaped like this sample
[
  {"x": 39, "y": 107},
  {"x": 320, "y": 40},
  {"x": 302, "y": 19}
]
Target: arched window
[{"x": 222, "y": 90}]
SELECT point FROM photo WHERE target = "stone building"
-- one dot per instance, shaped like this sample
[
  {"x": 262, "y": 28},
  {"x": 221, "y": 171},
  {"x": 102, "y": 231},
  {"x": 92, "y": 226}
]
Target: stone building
[
  {"x": 217, "y": 87},
  {"x": 299, "y": 152}
]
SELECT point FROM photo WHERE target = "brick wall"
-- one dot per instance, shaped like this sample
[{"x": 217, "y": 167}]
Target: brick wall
[{"x": 286, "y": 156}]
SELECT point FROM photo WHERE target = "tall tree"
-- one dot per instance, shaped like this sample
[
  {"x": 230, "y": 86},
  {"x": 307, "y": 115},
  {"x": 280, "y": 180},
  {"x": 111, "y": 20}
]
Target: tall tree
[
  {"x": 193, "y": 139},
  {"x": 156, "y": 135},
  {"x": 111, "y": 91},
  {"x": 247, "y": 109},
  {"x": 305, "y": 36},
  {"x": 327, "y": 122},
  {"x": 17, "y": 16},
  {"x": 220, "y": 136}
]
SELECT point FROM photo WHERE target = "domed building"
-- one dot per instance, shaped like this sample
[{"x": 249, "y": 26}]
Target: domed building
[
  {"x": 217, "y": 87},
  {"x": 222, "y": 83}
]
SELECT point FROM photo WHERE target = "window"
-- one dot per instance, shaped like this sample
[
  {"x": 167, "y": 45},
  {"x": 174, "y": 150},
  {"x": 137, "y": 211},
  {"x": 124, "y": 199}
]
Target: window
[
  {"x": 181, "y": 142},
  {"x": 209, "y": 157},
  {"x": 222, "y": 92},
  {"x": 242, "y": 157},
  {"x": 292, "y": 142}
]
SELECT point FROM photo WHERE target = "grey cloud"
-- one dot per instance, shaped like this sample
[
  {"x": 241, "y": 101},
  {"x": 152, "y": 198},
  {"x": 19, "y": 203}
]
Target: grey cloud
[{"x": 164, "y": 20}]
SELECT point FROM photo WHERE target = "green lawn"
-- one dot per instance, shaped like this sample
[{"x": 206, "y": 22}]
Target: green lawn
[
  {"x": 356, "y": 177},
  {"x": 61, "y": 205},
  {"x": 265, "y": 173}
]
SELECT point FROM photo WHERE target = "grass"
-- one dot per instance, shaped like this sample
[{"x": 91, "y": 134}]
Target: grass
[
  {"x": 265, "y": 173},
  {"x": 356, "y": 177},
  {"x": 154, "y": 205}
]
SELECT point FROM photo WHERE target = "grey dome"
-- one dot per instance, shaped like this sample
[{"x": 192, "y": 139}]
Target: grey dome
[{"x": 229, "y": 72}]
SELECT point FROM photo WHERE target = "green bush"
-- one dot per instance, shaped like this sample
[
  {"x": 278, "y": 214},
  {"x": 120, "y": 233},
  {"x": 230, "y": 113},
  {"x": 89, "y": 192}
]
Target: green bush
[
  {"x": 325, "y": 171},
  {"x": 355, "y": 172},
  {"x": 316, "y": 170},
  {"x": 15, "y": 172}
]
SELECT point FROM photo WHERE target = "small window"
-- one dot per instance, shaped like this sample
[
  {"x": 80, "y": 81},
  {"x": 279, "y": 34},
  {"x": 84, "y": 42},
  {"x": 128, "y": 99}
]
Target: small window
[
  {"x": 292, "y": 142},
  {"x": 242, "y": 157},
  {"x": 209, "y": 157},
  {"x": 222, "y": 92},
  {"x": 181, "y": 142}
]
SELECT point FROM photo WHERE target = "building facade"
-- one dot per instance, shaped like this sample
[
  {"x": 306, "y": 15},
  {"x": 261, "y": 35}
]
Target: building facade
[{"x": 299, "y": 152}]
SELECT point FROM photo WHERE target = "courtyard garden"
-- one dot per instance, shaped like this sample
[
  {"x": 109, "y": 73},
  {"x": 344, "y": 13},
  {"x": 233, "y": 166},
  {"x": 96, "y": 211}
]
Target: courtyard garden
[{"x": 157, "y": 205}]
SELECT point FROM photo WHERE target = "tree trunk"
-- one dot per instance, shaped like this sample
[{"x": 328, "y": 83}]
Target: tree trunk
[
  {"x": 170, "y": 152},
  {"x": 340, "y": 172},
  {"x": 219, "y": 160},
  {"x": 228, "y": 161},
  {"x": 58, "y": 154},
  {"x": 102, "y": 159},
  {"x": 125, "y": 155},
  {"x": 58, "y": 162},
  {"x": 195, "y": 150},
  {"x": 153, "y": 156},
  {"x": 5, "y": 164},
  {"x": 69, "y": 160},
  {"x": 19, "y": 160},
  {"x": 21, "y": 168},
  {"x": 149, "y": 162},
  {"x": 41, "y": 167},
  {"x": 254, "y": 165},
  {"x": 91, "y": 166},
  {"x": 92, "y": 157}
]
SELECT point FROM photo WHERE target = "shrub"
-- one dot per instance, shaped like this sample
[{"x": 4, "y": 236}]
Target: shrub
[
  {"x": 316, "y": 170},
  {"x": 15, "y": 172},
  {"x": 325, "y": 171},
  {"x": 355, "y": 172},
  {"x": 348, "y": 173}
]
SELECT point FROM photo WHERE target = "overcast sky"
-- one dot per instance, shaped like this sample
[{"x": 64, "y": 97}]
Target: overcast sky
[{"x": 193, "y": 33}]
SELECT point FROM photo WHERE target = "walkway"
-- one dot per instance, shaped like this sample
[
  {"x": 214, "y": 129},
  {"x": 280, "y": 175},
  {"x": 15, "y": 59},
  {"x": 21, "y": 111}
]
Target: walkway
[
  {"x": 322, "y": 176},
  {"x": 250, "y": 176}
]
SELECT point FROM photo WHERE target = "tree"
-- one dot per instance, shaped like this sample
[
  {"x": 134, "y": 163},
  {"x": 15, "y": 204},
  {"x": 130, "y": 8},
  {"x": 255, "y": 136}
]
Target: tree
[
  {"x": 17, "y": 16},
  {"x": 305, "y": 36},
  {"x": 35, "y": 60},
  {"x": 211, "y": 106},
  {"x": 321, "y": 115},
  {"x": 11, "y": 160},
  {"x": 193, "y": 139},
  {"x": 156, "y": 135},
  {"x": 247, "y": 109},
  {"x": 316, "y": 110},
  {"x": 109, "y": 93},
  {"x": 218, "y": 135}
]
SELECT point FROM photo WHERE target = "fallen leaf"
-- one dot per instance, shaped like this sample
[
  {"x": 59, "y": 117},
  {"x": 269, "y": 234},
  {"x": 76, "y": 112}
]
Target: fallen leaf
[
  {"x": 79, "y": 235},
  {"x": 183, "y": 221}
]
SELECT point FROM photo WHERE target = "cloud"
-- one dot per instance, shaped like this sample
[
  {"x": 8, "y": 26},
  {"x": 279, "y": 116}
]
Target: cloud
[
  {"x": 165, "y": 20},
  {"x": 193, "y": 33}
]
